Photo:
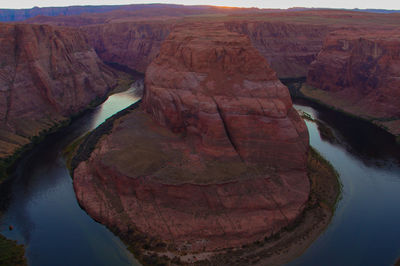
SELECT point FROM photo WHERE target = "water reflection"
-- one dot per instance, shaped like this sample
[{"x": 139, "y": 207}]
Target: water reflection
[
  {"x": 365, "y": 229},
  {"x": 369, "y": 143},
  {"x": 42, "y": 206}
]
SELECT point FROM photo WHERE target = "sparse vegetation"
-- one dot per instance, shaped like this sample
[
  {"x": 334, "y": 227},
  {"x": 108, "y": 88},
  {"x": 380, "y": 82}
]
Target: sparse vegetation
[
  {"x": 70, "y": 151},
  {"x": 89, "y": 142},
  {"x": 325, "y": 184},
  {"x": 7, "y": 164},
  {"x": 11, "y": 254}
]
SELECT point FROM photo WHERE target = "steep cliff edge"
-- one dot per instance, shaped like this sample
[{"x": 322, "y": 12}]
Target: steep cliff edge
[
  {"x": 218, "y": 89},
  {"x": 130, "y": 44},
  {"x": 216, "y": 158},
  {"x": 359, "y": 72},
  {"x": 47, "y": 74},
  {"x": 289, "y": 47}
]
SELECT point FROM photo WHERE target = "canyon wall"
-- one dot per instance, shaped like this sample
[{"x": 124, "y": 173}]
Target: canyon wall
[
  {"x": 215, "y": 158},
  {"x": 289, "y": 48},
  {"x": 358, "y": 71},
  {"x": 46, "y": 75},
  {"x": 130, "y": 44}
]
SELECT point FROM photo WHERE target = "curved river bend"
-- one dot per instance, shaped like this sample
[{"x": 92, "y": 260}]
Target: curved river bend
[
  {"x": 364, "y": 231},
  {"x": 42, "y": 205}
]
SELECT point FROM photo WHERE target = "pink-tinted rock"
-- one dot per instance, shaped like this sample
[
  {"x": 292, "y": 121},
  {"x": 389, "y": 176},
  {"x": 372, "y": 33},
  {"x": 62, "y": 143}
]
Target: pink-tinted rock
[
  {"x": 218, "y": 161},
  {"x": 215, "y": 87},
  {"x": 289, "y": 47},
  {"x": 131, "y": 44},
  {"x": 46, "y": 75},
  {"x": 359, "y": 71}
]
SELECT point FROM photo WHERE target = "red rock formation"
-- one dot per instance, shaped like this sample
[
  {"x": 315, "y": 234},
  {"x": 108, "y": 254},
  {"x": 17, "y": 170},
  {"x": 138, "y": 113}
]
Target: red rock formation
[
  {"x": 358, "y": 72},
  {"x": 131, "y": 44},
  {"x": 218, "y": 88},
  {"x": 289, "y": 47},
  {"x": 226, "y": 167},
  {"x": 46, "y": 75},
  {"x": 290, "y": 41}
]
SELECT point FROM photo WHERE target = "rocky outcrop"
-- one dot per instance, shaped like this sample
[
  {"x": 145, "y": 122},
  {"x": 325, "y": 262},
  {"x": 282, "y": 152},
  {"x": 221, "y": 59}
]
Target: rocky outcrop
[
  {"x": 46, "y": 75},
  {"x": 289, "y": 47},
  {"x": 216, "y": 157},
  {"x": 131, "y": 44},
  {"x": 217, "y": 88},
  {"x": 358, "y": 71}
]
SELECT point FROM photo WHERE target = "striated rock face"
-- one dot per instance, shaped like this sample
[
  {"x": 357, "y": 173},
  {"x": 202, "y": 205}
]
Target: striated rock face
[
  {"x": 216, "y": 88},
  {"x": 46, "y": 75},
  {"x": 131, "y": 44},
  {"x": 358, "y": 71},
  {"x": 216, "y": 157},
  {"x": 289, "y": 48}
]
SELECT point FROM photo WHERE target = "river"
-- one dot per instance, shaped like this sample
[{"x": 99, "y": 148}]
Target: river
[
  {"x": 365, "y": 229},
  {"x": 43, "y": 208}
]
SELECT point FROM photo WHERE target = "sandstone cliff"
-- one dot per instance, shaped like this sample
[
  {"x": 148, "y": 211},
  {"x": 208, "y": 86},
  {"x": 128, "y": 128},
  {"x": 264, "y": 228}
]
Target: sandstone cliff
[
  {"x": 289, "y": 47},
  {"x": 46, "y": 75},
  {"x": 216, "y": 160},
  {"x": 131, "y": 44},
  {"x": 216, "y": 87},
  {"x": 359, "y": 72}
]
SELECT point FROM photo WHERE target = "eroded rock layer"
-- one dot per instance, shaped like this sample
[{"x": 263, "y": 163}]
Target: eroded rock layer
[
  {"x": 130, "y": 44},
  {"x": 289, "y": 47},
  {"x": 218, "y": 90},
  {"x": 46, "y": 75},
  {"x": 216, "y": 157},
  {"x": 359, "y": 72}
]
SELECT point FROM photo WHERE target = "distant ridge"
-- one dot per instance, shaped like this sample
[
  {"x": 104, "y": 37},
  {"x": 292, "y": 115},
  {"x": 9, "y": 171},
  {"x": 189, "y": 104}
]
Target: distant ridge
[
  {"x": 377, "y": 10},
  {"x": 8, "y": 15}
]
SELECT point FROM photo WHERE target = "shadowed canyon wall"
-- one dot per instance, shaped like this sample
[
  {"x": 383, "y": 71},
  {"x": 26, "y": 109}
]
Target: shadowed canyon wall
[
  {"x": 131, "y": 44},
  {"x": 46, "y": 75},
  {"x": 359, "y": 72},
  {"x": 289, "y": 48}
]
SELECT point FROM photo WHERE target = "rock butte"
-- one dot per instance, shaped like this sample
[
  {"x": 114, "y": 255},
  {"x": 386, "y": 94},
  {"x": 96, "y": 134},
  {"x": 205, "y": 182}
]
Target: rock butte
[
  {"x": 46, "y": 75},
  {"x": 216, "y": 157},
  {"x": 358, "y": 72}
]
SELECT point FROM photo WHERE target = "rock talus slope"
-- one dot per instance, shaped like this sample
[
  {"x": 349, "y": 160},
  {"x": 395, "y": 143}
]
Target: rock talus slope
[{"x": 216, "y": 157}]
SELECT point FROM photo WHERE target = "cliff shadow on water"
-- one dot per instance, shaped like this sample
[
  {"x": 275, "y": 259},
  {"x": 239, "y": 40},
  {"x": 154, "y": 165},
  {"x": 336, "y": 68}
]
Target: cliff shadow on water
[
  {"x": 32, "y": 173},
  {"x": 153, "y": 163},
  {"x": 360, "y": 137}
]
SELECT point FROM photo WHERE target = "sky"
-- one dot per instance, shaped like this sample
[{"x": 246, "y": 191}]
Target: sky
[{"x": 381, "y": 4}]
